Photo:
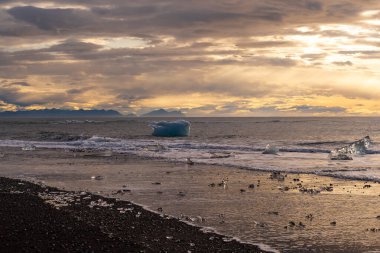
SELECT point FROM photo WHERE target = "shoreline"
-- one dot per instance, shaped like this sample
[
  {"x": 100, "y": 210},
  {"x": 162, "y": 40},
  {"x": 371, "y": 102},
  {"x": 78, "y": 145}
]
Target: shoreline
[
  {"x": 95, "y": 223},
  {"x": 154, "y": 183}
]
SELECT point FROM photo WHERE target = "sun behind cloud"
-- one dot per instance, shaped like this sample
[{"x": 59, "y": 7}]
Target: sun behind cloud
[{"x": 207, "y": 58}]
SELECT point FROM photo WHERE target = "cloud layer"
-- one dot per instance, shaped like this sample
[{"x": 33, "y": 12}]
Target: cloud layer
[{"x": 215, "y": 57}]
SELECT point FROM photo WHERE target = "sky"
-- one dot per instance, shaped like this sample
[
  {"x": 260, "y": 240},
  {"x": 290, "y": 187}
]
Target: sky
[{"x": 203, "y": 57}]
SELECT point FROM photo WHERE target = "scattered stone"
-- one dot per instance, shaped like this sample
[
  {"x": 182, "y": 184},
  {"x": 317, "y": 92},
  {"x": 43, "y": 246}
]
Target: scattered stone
[
  {"x": 251, "y": 186},
  {"x": 124, "y": 210},
  {"x": 212, "y": 185},
  {"x": 310, "y": 217},
  {"x": 121, "y": 192},
  {"x": 283, "y": 188},
  {"x": 58, "y": 199},
  {"x": 310, "y": 191},
  {"x": 277, "y": 175},
  {"x": 333, "y": 223},
  {"x": 242, "y": 190},
  {"x": 260, "y": 224},
  {"x": 327, "y": 188},
  {"x": 292, "y": 224},
  {"x": 99, "y": 203},
  {"x": 181, "y": 194},
  {"x": 367, "y": 186},
  {"x": 228, "y": 239}
]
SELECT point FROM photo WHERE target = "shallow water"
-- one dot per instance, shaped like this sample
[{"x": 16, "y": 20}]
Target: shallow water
[{"x": 250, "y": 216}]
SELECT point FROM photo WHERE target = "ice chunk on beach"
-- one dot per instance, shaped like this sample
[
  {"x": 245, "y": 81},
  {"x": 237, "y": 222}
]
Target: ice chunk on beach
[
  {"x": 359, "y": 147},
  {"x": 271, "y": 150},
  {"x": 178, "y": 128},
  {"x": 30, "y": 147}
]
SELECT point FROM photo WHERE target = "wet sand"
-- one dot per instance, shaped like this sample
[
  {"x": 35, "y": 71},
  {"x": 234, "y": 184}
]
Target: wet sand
[{"x": 301, "y": 213}]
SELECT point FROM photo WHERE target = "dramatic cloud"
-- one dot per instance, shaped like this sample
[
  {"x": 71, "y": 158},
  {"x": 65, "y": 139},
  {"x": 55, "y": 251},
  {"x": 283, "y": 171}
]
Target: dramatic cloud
[
  {"x": 213, "y": 57},
  {"x": 319, "y": 109}
]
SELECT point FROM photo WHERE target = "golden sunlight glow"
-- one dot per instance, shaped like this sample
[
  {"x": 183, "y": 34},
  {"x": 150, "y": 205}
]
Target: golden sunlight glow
[
  {"x": 370, "y": 13},
  {"x": 120, "y": 42},
  {"x": 308, "y": 62}
]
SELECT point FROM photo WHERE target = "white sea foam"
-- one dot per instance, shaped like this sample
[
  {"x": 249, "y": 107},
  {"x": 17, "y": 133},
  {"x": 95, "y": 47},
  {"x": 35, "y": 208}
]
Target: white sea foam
[{"x": 290, "y": 160}]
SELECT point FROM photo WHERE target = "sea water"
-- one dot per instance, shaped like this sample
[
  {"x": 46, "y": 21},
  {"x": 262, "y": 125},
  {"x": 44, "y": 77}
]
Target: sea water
[{"x": 304, "y": 144}]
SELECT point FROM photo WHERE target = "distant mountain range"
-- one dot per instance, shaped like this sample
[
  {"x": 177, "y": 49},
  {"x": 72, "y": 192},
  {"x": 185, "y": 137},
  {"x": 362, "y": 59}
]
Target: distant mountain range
[
  {"x": 59, "y": 113},
  {"x": 164, "y": 113}
]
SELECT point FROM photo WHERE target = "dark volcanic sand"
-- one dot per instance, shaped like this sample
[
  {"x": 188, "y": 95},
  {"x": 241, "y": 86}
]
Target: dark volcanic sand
[{"x": 29, "y": 224}]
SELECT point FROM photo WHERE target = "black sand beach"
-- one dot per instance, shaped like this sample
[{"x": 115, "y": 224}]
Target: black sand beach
[
  {"x": 82, "y": 222},
  {"x": 94, "y": 194}
]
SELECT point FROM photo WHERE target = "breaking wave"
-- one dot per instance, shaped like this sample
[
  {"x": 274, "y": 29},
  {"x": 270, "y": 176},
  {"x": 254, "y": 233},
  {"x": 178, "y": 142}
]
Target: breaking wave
[{"x": 293, "y": 159}]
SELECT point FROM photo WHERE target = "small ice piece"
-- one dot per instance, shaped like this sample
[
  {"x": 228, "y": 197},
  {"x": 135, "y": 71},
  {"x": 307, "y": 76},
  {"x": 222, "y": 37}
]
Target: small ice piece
[
  {"x": 359, "y": 147},
  {"x": 189, "y": 161},
  {"x": 29, "y": 147},
  {"x": 178, "y": 128},
  {"x": 271, "y": 150},
  {"x": 108, "y": 153},
  {"x": 97, "y": 177}
]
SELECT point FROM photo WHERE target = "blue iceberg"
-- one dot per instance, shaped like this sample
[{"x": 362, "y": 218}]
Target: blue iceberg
[{"x": 178, "y": 128}]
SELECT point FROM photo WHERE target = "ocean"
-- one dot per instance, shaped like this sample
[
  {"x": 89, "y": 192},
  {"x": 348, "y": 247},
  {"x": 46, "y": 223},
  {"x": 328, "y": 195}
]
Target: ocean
[{"x": 304, "y": 143}]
